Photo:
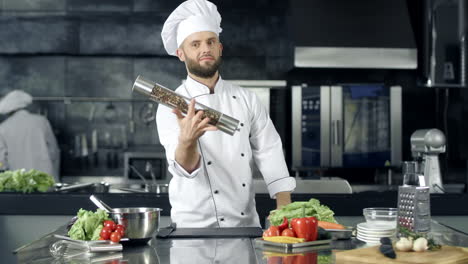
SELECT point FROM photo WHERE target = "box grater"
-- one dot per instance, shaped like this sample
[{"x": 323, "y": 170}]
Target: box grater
[{"x": 414, "y": 211}]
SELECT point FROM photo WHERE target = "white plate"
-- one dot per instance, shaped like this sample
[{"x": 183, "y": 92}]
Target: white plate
[
  {"x": 373, "y": 233},
  {"x": 373, "y": 237},
  {"x": 371, "y": 240},
  {"x": 377, "y": 228},
  {"x": 368, "y": 239}
]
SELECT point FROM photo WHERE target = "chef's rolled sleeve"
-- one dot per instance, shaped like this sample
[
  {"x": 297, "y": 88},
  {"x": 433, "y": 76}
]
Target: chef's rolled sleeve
[
  {"x": 179, "y": 170},
  {"x": 286, "y": 184}
]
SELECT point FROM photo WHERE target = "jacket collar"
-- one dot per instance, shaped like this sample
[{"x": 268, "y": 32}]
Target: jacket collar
[{"x": 196, "y": 89}]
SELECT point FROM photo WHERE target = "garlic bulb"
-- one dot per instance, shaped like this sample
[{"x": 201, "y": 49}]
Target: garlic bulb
[
  {"x": 404, "y": 244},
  {"x": 420, "y": 245}
]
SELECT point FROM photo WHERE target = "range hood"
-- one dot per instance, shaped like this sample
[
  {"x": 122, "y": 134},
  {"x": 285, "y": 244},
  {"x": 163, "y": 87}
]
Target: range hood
[{"x": 352, "y": 34}]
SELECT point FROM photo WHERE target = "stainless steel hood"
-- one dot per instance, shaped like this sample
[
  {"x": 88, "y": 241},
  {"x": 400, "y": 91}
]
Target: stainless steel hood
[{"x": 352, "y": 34}]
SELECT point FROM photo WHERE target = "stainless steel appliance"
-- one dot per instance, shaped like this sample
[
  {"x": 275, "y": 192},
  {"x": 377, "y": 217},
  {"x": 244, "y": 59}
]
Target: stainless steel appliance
[
  {"x": 349, "y": 125},
  {"x": 414, "y": 211},
  {"x": 137, "y": 163},
  {"x": 426, "y": 145}
]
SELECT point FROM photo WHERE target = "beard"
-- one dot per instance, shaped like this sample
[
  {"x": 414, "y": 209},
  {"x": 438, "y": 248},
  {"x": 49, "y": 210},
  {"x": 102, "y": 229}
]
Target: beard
[{"x": 203, "y": 71}]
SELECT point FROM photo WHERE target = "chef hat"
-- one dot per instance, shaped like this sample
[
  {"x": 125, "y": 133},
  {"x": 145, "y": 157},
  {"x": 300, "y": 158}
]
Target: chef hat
[
  {"x": 189, "y": 17},
  {"x": 14, "y": 100}
]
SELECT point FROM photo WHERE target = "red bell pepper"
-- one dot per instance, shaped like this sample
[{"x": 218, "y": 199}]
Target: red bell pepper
[
  {"x": 308, "y": 258},
  {"x": 289, "y": 259},
  {"x": 305, "y": 227},
  {"x": 301, "y": 227},
  {"x": 274, "y": 260},
  {"x": 272, "y": 231},
  {"x": 284, "y": 225},
  {"x": 313, "y": 222}
]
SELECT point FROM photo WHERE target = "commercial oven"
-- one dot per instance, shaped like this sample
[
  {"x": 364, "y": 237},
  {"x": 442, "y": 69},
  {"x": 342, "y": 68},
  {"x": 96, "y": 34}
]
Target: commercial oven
[{"x": 348, "y": 125}]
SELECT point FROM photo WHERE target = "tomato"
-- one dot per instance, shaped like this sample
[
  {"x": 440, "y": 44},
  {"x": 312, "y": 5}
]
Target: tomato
[
  {"x": 120, "y": 231},
  {"x": 271, "y": 231},
  {"x": 115, "y": 237},
  {"x": 110, "y": 224},
  {"x": 105, "y": 233},
  {"x": 288, "y": 232}
]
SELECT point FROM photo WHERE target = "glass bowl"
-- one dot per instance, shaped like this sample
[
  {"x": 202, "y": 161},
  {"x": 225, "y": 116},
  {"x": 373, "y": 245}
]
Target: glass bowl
[{"x": 381, "y": 216}]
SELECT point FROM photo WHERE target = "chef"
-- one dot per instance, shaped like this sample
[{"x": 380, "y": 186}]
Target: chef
[
  {"x": 212, "y": 183},
  {"x": 26, "y": 140}
]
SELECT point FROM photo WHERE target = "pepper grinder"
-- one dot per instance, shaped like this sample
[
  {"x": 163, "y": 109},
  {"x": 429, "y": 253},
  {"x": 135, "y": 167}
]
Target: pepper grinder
[{"x": 169, "y": 98}]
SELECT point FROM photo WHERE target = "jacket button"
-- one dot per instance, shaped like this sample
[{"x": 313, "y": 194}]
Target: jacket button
[
  {"x": 242, "y": 154},
  {"x": 242, "y": 213},
  {"x": 243, "y": 185},
  {"x": 216, "y": 191},
  {"x": 234, "y": 96},
  {"x": 221, "y": 219},
  {"x": 209, "y": 163},
  {"x": 242, "y": 124}
]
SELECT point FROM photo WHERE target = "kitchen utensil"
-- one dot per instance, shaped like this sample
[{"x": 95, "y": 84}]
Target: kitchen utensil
[
  {"x": 446, "y": 255},
  {"x": 141, "y": 223},
  {"x": 94, "y": 148},
  {"x": 91, "y": 113},
  {"x": 84, "y": 151},
  {"x": 131, "y": 124},
  {"x": 77, "y": 146},
  {"x": 101, "y": 187},
  {"x": 149, "y": 168},
  {"x": 138, "y": 174},
  {"x": 414, "y": 211},
  {"x": 61, "y": 187},
  {"x": 100, "y": 204},
  {"x": 149, "y": 188},
  {"x": 165, "y": 96},
  {"x": 381, "y": 216},
  {"x": 70, "y": 249},
  {"x": 147, "y": 113},
  {"x": 110, "y": 113}
]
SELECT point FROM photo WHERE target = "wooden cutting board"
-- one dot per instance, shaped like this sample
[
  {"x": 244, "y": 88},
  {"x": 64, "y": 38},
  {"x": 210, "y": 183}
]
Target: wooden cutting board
[{"x": 446, "y": 255}]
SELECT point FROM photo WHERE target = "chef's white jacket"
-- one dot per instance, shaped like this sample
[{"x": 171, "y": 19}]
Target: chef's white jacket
[
  {"x": 27, "y": 141},
  {"x": 220, "y": 193},
  {"x": 203, "y": 251}
]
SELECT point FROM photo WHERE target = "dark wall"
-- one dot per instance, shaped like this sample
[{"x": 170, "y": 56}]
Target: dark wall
[
  {"x": 85, "y": 48},
  {"x": 96, "y": 49}
]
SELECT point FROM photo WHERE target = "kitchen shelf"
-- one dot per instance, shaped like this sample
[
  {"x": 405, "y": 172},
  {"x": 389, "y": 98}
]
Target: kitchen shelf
[{"x": 68, "y": 100}]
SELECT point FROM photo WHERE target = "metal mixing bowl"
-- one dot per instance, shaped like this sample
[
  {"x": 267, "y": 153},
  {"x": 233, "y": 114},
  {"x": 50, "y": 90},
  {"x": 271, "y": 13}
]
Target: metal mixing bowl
[{"x": 141, "y": 223}]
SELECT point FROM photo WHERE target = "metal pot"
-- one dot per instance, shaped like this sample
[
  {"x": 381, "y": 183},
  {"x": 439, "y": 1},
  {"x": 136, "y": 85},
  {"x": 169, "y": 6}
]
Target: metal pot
[
  {"x": 102, "y": 187},
  {"x": 157, "y": 188},
  {"x": 141, "y": 223}
]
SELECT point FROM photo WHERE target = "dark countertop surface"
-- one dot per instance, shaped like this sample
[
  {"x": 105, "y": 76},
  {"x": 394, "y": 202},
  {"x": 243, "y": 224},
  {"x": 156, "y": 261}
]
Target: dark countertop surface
[
  {"x": 214, "y": 250},
  {"x": 341, "y": 204}
]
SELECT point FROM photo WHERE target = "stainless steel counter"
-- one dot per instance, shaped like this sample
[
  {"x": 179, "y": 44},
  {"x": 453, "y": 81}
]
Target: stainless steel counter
[{"x": 201, "y": 251}]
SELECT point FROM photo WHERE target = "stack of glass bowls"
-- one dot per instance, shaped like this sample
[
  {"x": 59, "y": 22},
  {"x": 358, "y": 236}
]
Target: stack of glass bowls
[{"x": 380, "y": 222}]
